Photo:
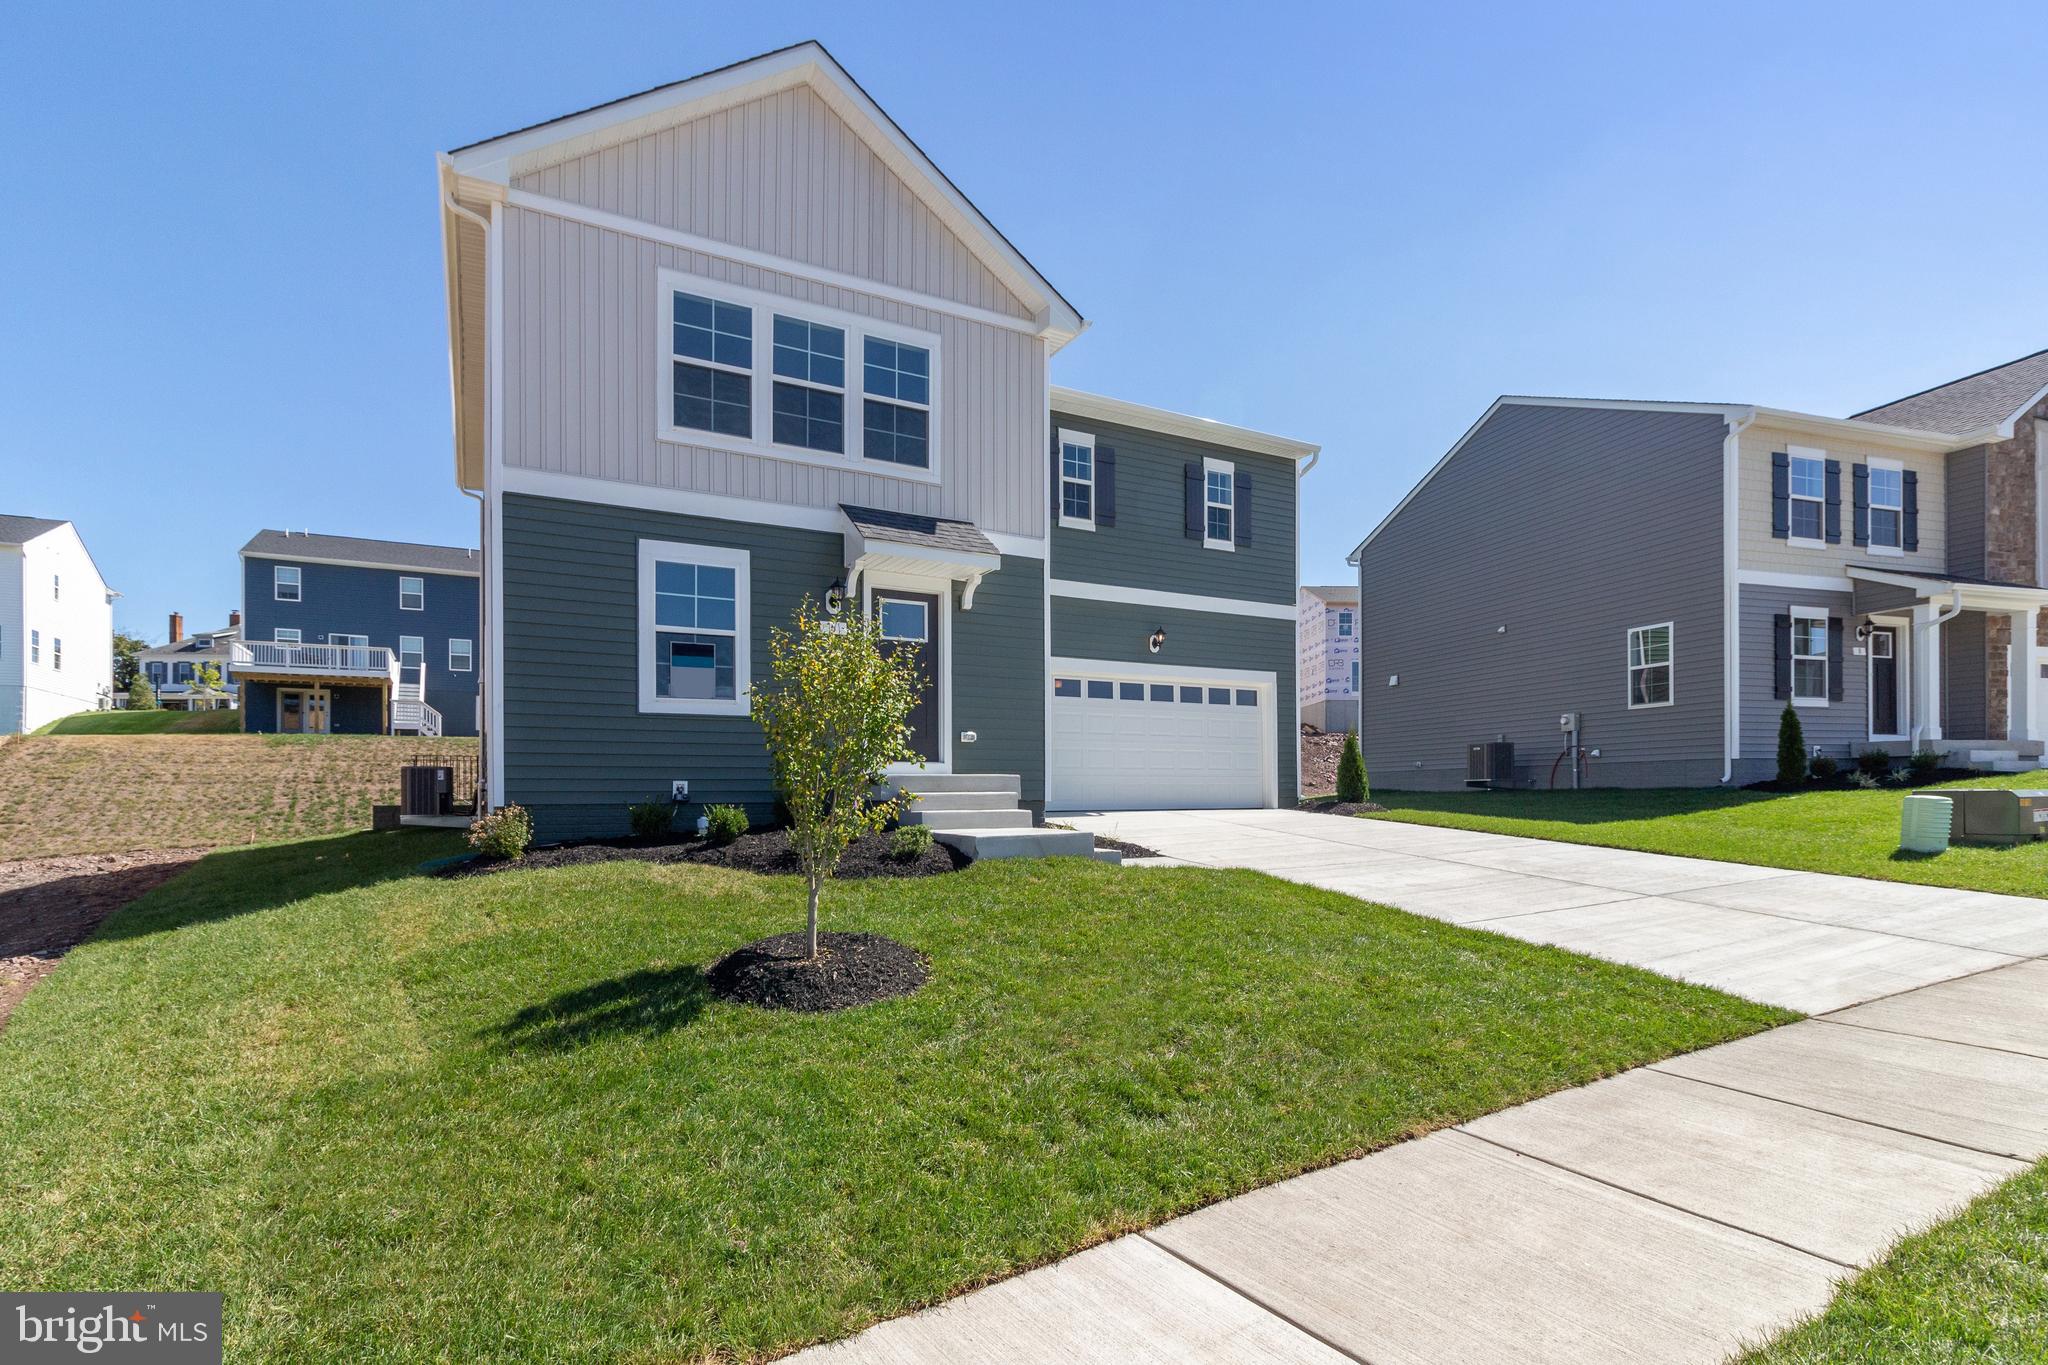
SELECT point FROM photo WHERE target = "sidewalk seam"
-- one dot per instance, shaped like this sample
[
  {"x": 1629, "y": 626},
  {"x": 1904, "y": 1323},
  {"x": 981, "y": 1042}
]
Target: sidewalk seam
[{"x": 1252, "y": 1298}]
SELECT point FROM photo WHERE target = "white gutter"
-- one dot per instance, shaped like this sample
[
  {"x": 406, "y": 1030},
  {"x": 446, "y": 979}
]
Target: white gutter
[{"x": 1731, "y": 592}]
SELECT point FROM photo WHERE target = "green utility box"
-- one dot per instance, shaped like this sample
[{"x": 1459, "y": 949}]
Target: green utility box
[{"x": 1999, "y": 815}]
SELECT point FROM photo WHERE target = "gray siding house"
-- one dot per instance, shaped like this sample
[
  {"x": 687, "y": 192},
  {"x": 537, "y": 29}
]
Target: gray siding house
[
  {"x": 734, "y": 343},
  {"x": 1662, "y": 579}
]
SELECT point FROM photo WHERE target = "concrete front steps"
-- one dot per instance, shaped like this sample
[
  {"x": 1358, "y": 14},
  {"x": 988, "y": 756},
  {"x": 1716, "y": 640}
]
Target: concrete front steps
[
  {"x": 1988, "y": 755},
  {"x": 979, "y": 814}
]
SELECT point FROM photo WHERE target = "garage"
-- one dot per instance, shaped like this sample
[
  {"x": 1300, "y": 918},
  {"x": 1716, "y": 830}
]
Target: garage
[{"x": 1126, "y": 742}]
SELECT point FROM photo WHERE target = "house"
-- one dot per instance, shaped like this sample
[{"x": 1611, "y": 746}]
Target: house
[
  {"x": 56, "y": 625},
  {"x": 1326, "y": 632},
  {"x": 736, "y": 342},
  {"x": 170, "y": 666},
  {"x": 344, "y": 635},
  {"x": 1662, "y": 579}
]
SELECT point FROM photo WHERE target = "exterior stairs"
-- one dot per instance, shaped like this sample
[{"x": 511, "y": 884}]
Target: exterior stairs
[{"x": 979, "y": 814}]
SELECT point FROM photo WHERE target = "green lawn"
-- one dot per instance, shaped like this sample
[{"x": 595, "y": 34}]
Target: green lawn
[
  {"x": 500, "y": 1118},
  {"x": 1853, "y": 832},
  {"x": 146, "y": 723},
  {"x": 1972, "y": 1289}
]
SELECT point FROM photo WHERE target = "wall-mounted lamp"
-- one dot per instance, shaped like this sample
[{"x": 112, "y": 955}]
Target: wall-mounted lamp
[
  {"x": 1862, "y": 632},
  {"x": 835, "y": 597},
  {"x": 1158, "y": 640}
]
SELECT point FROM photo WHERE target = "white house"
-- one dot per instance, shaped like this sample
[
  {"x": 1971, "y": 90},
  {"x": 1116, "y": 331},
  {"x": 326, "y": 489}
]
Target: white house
[
  {"x": 56, "y": 624},
  {"x": 1327, "y": 635}
]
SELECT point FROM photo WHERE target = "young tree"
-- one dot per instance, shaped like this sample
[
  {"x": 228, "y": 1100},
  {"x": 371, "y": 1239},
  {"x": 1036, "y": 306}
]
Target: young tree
[
  {"x": 205, "y": 681},
  {"x": 127, "y": 667},
  {"x": 1351, "y": 783},
  {"x": 834, "y": 710},
  {"x": 141, "y": 696},
  {"x": 1791, "y": 748}
]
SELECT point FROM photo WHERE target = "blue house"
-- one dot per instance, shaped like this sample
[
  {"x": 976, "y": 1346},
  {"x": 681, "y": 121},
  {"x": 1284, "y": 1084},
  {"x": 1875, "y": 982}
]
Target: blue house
[{"x": 342, "y": 635}]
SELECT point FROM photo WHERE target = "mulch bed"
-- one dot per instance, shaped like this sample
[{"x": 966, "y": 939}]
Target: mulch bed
[
  {"x": 763, "y": 851},
  {"x": 1845, "y": 780},
  {"x": 849, "y": 970},
  {"x": 49, "y": 906},
  {"x": 1125, "y": 847},
  {"x": 1331, "y": 806}
]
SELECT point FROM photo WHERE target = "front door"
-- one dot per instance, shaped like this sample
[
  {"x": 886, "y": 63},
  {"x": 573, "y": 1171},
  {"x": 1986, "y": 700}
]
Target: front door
[
  {"x": 1884, "y": 682},
  {"x": 911, "y": 621}
]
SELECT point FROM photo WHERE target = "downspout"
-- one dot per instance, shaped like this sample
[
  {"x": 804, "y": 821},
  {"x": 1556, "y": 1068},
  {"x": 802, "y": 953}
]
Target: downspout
[
  {"x": 483, "y": 630},
  {"x": 1923, "y": 639},
  {"x": 1300, "y": 473},
  {"x": 1731, "y": 595}
]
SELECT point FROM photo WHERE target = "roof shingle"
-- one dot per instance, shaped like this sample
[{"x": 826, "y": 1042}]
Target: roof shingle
[
  {"x": 21, "y": 530},
  {"x": 356, "y": 550},
  {"x": 1971, "y": 403},
  {"x": 907, "y": 528}
]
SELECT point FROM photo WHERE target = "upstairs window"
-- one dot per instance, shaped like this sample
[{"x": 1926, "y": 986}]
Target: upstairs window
[
  {"x": 461, "y": 656},
  {"x": 57, "y": 653},
  {"x": 1808, "y": 485},
  {"x": 1077, "y": 480},
  {"x": 1887, "y": 506},
  {"x": 712, "y": 355},
  {"x": 284, "y": 583},
  {"x": 412, "y": 653},
  {"x": 810, "y": 385},
  {"x": 412, "y": 594},
  {"x": 896, "y": 413},
  {"x": 1219, "y": 505},
  {"x": 1343, "y": 625},
  {"x": 285, "y": 635},
  {"x": 56, "y": 587},
  {"x": 693, "y": 629},
  {"x": 35, "y": 646},
  {"x": 1649, "y": 666},
  {"x": 1354, "y": 675},
  {"x": 1809, "y": 657}
]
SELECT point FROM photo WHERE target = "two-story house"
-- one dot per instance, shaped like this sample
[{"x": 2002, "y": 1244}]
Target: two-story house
[
  {"x": 173, "y": 666},
  {"x": 342, "y": 635},
  {"x": 736, "y": 342},
  {"x": 56, "y": 625},
  {"x": 1326, "y": 634},
  {"x": 1662, "y": 579}
]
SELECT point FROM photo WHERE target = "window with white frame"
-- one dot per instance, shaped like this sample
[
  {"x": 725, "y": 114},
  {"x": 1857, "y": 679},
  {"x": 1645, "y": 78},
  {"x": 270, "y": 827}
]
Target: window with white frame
[
  {"x": 285, "y": 635},
  {"x": 1219, "y": 504},
  {"x": 896, "y": 412},
  {"x": 35, "y": 646},
  {"x": 56, "y": 587},
  {"x": 412, "y": 654},
  {"x": 1077, "y": 480},
  {"x": 57, "y": 653},
  {"x": 694, "y": 621},
  {"x": 284, "y": 583},
  {"x": 1649, "y": 666},
  {"x": 1887, "y": 507},
  {"x": 412, "y": 594},
  {"x": 1808, "y": 486},
  {"x": 461, "y": 656},
  {"x": 1809, "y": 657},
  {"x": 810, "y": 385},
  {"x": 711, "y": 346},
  {"x": 1343, "y": 625},
  {"x": 355, "y": 641}
]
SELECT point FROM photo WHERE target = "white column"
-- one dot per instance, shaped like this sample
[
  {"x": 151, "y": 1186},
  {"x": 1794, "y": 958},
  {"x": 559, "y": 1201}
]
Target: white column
[
  {"x": 2024, "y": 664},
  {"x": 1926, "y": 672}
]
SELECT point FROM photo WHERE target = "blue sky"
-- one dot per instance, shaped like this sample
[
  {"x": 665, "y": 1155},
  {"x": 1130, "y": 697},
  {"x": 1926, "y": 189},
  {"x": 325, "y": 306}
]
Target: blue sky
[{"x": 1355, "y": 224}]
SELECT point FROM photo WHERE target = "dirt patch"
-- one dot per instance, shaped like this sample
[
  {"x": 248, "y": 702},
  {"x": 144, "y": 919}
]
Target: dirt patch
[
  {"x": 50, "y": 905},
  {"x": 1320, "y": 751},
  {"x": 849, "y": 970},
  {"x": 766, "y": 852}
]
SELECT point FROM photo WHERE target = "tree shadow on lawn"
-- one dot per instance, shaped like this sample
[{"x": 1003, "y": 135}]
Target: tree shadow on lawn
[{"x": 649, "y": 1003}]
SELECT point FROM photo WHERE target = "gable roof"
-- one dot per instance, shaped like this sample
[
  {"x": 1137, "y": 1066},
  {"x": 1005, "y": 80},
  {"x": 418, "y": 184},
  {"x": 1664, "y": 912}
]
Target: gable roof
[
  {"x": 909, "y": 528},
  {"x": 1990, "y": 398},
  {"x": 21, "y": 530},
  {"x": 1102, "y": 408},
  {"x": 306, "y": 547}
]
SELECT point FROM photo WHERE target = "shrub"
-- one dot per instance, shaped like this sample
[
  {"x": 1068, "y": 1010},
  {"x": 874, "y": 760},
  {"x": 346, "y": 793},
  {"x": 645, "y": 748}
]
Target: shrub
[
  {"x": 723, "y": 824},
  {"x": 651, "y": 819},
  {"x": 1866, "y": 781},
  {"x": 1351, "y": 783},
  {"x": 1874, "y": 763},
  {"x": 910, "y": 842},
  {"x": 1824, "y": 767},
  {"x": 1923, "y": 763},
  {"x": 504, "y": 833},
  {"x": 1791, "y": 748},
  {"x": 141, "y": 696}
]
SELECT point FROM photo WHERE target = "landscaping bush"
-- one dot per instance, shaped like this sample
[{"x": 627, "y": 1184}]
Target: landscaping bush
[
  {"x": 1824, "y": 767},
  {"x": 1351, "y": 783},
  {"x": 910, "y": 842},
  {"x": 504, "y": 833},
  {"x": 1874, "y": 763},
  {"x": 1923, "y": 763},
  {"x": 1791, "y": 748},
  {"x": 651, "y": 819},
  {"x": 141, "y": 696},
  {"x": 723, "y": 824},
  {"x": 1866, "y": 781}
]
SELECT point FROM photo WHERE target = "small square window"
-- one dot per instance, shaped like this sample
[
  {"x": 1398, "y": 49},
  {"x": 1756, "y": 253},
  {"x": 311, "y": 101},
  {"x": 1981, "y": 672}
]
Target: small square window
[
  {"x": 1247, "y": 696},
  {"x": 1066, "y": 687},
  {"x": 1099, "y": 690},
  {"x": 1219, "y": 696}
]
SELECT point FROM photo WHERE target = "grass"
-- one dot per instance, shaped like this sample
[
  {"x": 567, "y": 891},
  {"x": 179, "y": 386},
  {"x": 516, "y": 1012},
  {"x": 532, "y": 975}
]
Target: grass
[
  {"x": 1972, "y": 1289},
  {"x": 501, "y": 1118},
  {"x": 64, "y": 794},
  {"x": 222, "y": 722},
  {"x": 1852, "y": 832}
]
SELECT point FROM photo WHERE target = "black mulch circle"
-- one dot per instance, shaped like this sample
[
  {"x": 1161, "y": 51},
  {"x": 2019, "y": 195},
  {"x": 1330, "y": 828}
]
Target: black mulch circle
[
  {"x": 1330, "y": 805},
  {"x": 765, "y": 851},
  {"x": 849, "y": 970}
]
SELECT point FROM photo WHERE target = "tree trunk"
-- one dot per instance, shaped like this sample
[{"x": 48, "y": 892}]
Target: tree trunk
[{"x": 812, "y": 950}]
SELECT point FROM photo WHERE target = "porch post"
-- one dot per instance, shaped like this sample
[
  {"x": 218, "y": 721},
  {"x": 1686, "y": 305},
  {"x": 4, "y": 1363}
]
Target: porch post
[
  {"x": 1926, "y": 673},
  {"x": 2024, "y": 668}
]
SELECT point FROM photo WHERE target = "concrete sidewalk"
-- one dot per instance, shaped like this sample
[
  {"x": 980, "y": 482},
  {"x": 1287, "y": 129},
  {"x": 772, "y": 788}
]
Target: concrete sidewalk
[{"x": 1674, "y": 1213}]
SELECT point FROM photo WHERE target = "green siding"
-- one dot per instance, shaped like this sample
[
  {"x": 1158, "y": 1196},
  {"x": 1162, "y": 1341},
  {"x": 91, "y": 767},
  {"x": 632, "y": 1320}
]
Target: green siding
[
  {"x": 1149, "y": 548},
  {"x": 1198, "y": 639},
  {"x": 999, "y": 676}
]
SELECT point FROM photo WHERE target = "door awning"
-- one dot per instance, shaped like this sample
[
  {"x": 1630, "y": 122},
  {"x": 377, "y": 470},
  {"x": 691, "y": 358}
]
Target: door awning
[
  {"x": 932, "y": 549},
  {"x": 1892, "y": 589}
]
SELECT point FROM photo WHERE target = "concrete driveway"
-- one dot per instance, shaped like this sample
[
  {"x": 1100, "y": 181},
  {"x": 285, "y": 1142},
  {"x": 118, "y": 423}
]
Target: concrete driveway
[{"x": 1671, "y": 1214}]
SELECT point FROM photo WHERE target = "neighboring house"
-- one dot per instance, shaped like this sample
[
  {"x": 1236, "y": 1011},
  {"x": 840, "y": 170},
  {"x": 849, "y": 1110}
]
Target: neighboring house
[
  {"x": 56, "y": 625},
  {"x": 1327, "y": 635},
  {"x": 170, "y": 666},
  {"x": 349, "y": 636},
  {"x": 734, "y": 343},
  {"x": 1673, "y": 574}
]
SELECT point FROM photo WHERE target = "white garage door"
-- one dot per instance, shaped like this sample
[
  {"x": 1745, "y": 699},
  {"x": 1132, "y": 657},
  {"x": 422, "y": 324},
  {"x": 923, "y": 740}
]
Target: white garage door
[{"x": 1157, "y": 744}]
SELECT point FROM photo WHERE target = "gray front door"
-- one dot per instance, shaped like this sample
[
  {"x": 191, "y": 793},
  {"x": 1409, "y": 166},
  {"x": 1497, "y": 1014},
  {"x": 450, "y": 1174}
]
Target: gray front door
[{"x": 910, "y": 621}]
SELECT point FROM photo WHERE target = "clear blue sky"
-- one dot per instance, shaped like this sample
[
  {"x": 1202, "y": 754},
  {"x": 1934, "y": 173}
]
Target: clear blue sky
[{"x": 1356, "y": 224}]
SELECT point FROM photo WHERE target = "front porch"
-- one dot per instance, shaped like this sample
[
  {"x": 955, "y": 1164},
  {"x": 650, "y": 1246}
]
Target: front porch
[{"x": 1954, "y": 666}]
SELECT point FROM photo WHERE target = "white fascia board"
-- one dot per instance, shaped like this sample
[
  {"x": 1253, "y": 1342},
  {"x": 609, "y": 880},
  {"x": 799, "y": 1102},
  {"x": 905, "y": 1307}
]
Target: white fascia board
[
  {"x": 1173, "y": 601},
  {"x": 1101, "y": 408},
  {"x": 1938, "y": 442},
  {"x": 362, "y": 564}
]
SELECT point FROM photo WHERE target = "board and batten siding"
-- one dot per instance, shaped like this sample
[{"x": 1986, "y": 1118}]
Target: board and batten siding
[
  {"x": 1118, "y": 632},
  {"x": 1759, "y": 549},
  {"x": 1965, "y": 677},
  {"x": 999, "y": 678},
  {"x": 1833, "y": 727},
  {"x": 1967, "y": 493},
  {"x": 1149, "y": 546},
  {"x": 1503, "y": 593},
  {"x": 782, "y": 174},
  {"x": 585, "y": 389}
]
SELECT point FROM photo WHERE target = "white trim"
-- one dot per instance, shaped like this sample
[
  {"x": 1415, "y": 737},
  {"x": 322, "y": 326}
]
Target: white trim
[
  {"x": 1212, "y": 465},
  {"x": 1871, "y": 465},
  {"x": 1045, "y": 580},
  {"x": 274, "y": 558},
  {"x": 1771, "y": 578},
  {"x": 1177, "y": 601},
  {"x": 494, "y": 506},
  {"x": 1068, "y": 437},
  {"x": 740, "y": 703},
  {"x": 277, "y": 572},
  {"x": 1630, "y": 666},
  {"x": 469, "y": 655},
  {"x": 1826, "y": 619},
  {"x": 2041, "y": 502},
  {"x": 1100, "y": 408},
  {"x": 1265, "y": 681},
  {"x": 287, "y": 635},
  {"x": 1812, "y": 455},
  {"x": 422, "y": 594}
]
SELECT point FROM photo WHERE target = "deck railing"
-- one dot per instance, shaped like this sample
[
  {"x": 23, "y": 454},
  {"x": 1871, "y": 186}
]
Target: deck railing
[{"x": 367, "y": 661}]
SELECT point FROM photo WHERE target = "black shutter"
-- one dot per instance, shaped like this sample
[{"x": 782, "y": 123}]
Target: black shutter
[
  {"x": 1834, "y": 502},
  {"x": 1781, "y": 495},
  {"x": 1192, "y": 482},
  {"x": 1241, "y": 508},
  {"x": 1862, "y": 496},
  {"x": 1105, "y": 486},
  {"x": 1834, "y": 658},
  {"x": 1781, "y": 657},
  {"x": 1912, "y": 517}
]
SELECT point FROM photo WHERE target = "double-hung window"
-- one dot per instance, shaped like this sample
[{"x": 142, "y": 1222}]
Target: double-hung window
[
  {"x": 412, "y": 657},
  {"x": 56, "y": 587},
  {"x": 711, "y": 344},
  {"x": 1343, "y": 625},
  {"x": 1077, "y": 480},
  {"x": 896, "y": 414},
  {"x": 1887, "y": 507},
  {"x": 1808, "y": 486},
  {"x": 1809, "y": 657},
  {"x": 285, "y": 635},
  {"x": 1354, "y": 675},
  {"x": 810, "y": 385},
  {"x": 284, "y": 583},
  {"x": 1649, "y": 666},
  {"x": 57, "y": 653},
  {"x": 35, "y": 646},
  {"x": 1219, "y": 504},
  {"x": 694, "y": 626},
  {"x": 461, "y": 656},
  {"x": 412, "y": 594}
]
